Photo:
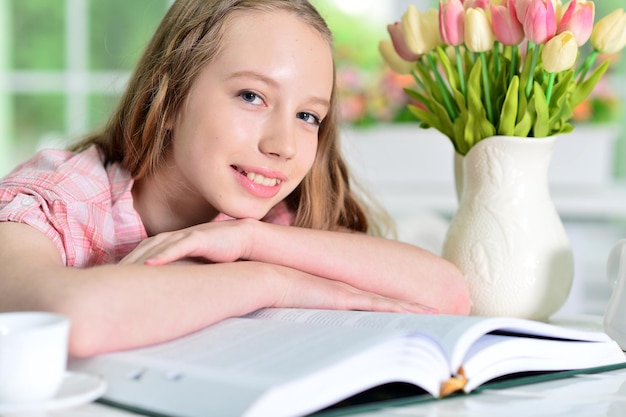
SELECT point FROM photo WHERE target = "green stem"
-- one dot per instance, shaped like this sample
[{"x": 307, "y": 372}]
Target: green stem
[
  {"x": 487, "y": 90},
  {"x": 418, "y": 80},
  {"x": 514, "y": 69},
  {"x": 496, "y": 58},
  {"x": 549, "y": 89},
  {"x": 533, "y": 64},
  {"x": 459, "y": 69},
  {"x": 584, "y": 68},
  {"x": 442, "y": 87}
]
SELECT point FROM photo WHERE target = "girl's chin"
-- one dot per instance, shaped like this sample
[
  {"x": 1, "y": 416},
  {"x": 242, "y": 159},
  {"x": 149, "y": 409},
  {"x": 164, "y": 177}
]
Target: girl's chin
[{"x": 236, "y": 214}]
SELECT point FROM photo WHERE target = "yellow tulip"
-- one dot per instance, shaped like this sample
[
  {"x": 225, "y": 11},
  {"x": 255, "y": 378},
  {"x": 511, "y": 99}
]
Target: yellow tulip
[
  {"x": 609, "y": 33},
  {"x": 479, "y": 36},
  {"x": 421, "y": 30},
  {"x": 560, "y": 52},
  {"x": 391, "y": 57}
]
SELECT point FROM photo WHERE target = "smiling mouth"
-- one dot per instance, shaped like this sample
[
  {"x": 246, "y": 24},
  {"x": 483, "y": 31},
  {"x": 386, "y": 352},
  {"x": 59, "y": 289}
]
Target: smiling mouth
[{"x": 259, "y": 178}]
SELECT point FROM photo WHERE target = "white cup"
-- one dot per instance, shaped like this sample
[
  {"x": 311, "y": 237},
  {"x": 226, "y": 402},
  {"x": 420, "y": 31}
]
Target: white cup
[{"x": 33, "y": 355}]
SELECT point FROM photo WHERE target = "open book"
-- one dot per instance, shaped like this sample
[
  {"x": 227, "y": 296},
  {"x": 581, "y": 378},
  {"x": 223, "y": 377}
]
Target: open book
[{"x": 292, "y": 362}]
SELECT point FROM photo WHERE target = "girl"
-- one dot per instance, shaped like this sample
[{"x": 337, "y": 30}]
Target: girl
[{"x": 217, "y": 188}]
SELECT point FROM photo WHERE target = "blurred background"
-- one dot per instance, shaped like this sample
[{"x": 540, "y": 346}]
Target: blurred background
[{"x": 63, "y": 64}]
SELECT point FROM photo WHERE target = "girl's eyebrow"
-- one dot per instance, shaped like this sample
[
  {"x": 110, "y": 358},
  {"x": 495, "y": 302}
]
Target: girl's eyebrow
[
  {"x": 274, "y": 84},
  {"x": 254, "y": 75}
]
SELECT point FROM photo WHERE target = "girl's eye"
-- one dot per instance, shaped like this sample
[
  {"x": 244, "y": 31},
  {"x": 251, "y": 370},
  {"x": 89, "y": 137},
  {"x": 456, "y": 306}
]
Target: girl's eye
[
  {"x": 250, "y": 97},
  {"x": 309, "y": 118}
]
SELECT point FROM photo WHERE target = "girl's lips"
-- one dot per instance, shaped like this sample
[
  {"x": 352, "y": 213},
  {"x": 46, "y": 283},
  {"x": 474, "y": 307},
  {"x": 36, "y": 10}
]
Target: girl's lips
[{"x": 264, "y": 185}]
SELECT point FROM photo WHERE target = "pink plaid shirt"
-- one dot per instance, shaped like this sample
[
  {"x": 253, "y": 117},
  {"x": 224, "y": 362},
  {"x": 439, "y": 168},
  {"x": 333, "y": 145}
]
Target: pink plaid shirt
[{"x": 84, "y": 207}]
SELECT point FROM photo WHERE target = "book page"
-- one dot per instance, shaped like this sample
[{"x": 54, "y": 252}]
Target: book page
[
  {"x": 456, "y": 334},
  {"x": 491, "y": 357},
  {"x": 265, "y": 361}
]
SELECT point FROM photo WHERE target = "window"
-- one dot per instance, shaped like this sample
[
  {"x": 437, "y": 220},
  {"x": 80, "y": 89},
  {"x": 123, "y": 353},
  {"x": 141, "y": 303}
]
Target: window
[{"x": 63, "y": 64}]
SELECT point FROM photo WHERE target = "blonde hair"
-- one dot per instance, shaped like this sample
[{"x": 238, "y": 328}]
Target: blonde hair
[{"x": 190, "y": 36}]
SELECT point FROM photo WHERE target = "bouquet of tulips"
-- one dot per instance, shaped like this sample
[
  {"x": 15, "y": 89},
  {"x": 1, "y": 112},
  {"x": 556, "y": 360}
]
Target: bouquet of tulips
[{"x": 501, "y": 67}]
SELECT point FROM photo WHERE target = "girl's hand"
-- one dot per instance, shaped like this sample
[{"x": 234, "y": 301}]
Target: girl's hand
[
  {"x": 296, "y": 289},
  {"x": 211, "y": 242}
]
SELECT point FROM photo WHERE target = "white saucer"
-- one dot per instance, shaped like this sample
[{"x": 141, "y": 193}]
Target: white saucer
[{"x": 77, "y": 388}]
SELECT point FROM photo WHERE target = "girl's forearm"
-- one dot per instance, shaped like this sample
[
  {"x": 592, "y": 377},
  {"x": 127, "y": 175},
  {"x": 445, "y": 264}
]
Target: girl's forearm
[
  {"x": 387, "y": 267},
  {"x": 117, "y": 307}
]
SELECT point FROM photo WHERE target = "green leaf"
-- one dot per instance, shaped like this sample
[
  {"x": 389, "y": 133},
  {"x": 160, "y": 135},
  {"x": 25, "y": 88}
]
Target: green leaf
[
  {"x": 522, "y": 101},
  {"x": 446, "y": 124},
  {"x": 567, "y": 128},
  {"x": 469, "y": 132},
  {"x": 460, "y": 145},
  {"x": 460, "y": 102},
  {"x": 525, "y": 75},
  {"x": 450, "y": 70},
  {"x": 508, "y": 116},
  {"x": 586, "y": 87},
  {"x": 473, "y": 85},
  {"x": 522, "y": 128},
  {"x": 417, "y": 96},
  {"x": 541, "y": 129},
  {"x": 425, "y": 116},
  {"x": 438, "y": 118},
  {"x": 430, "y": 85},
  {"x": 562, "y": 111}
]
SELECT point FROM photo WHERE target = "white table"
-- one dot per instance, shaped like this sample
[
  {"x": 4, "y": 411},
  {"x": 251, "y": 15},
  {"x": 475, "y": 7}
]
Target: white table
[
  {"x": 598, "y": 395},
  {"x": 585, "y": 395}
]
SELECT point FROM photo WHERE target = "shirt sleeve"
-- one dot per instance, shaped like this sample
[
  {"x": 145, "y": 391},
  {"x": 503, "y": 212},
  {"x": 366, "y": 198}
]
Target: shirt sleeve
[
  {"x": 67, "y": 197},
  {"x": 24, "y": 205}
]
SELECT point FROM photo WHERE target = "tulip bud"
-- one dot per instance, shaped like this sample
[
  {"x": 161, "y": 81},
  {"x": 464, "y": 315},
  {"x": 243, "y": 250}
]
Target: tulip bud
[
  {"x": 558, "y": 8},
  {"x": 399, "y": 44},
  {"x": 540, "y": 21},
  {"x": 421, "y": 30},
  {"x": 452, "y": 22},
  {"x": 560, "y": 52},
  {"x": 521, "y": 7},
  {"x": 507, "y": 29},
  {"x": 578, "y": 19},
  {"x": 609, "y": 34},
  {"x": 391, "y": 57},
  {"x": 479, "y": 35}
]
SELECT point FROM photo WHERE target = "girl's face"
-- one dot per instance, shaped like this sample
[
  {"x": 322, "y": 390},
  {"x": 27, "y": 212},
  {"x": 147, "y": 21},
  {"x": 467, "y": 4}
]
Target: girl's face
[{"x": 248, "y": 132}]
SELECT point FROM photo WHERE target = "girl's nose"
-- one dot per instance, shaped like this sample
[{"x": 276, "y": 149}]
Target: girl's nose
[{"x": 279, "y": 137}]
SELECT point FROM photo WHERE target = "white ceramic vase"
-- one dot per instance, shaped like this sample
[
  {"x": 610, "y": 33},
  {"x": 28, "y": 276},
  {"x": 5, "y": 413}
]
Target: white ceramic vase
[{"x": 506, "y": 236}]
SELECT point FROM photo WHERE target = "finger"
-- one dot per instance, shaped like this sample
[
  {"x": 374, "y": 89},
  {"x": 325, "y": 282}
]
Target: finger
[
  {"x": 137, "y": 255},
  {"x": 375, "y": 302},
  {"x": 150, "y": 248},
  {"x": 323, "y": 293},
  {"x": 184, "y": 246},
  {"x": 383, "y": 304}
]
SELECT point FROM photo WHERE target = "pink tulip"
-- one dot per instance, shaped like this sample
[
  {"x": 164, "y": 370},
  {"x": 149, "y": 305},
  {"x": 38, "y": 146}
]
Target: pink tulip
[
  {"x": 540, "y": 21},
  {"x": 399, "y": 44},
  {"x": 521, "y": 7},
  {"x": 507, "y": 29},
  {"x": 452, "y": 22},
  {"x": 476, "y": 4},
  {"x": 578, "y": 19}
]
